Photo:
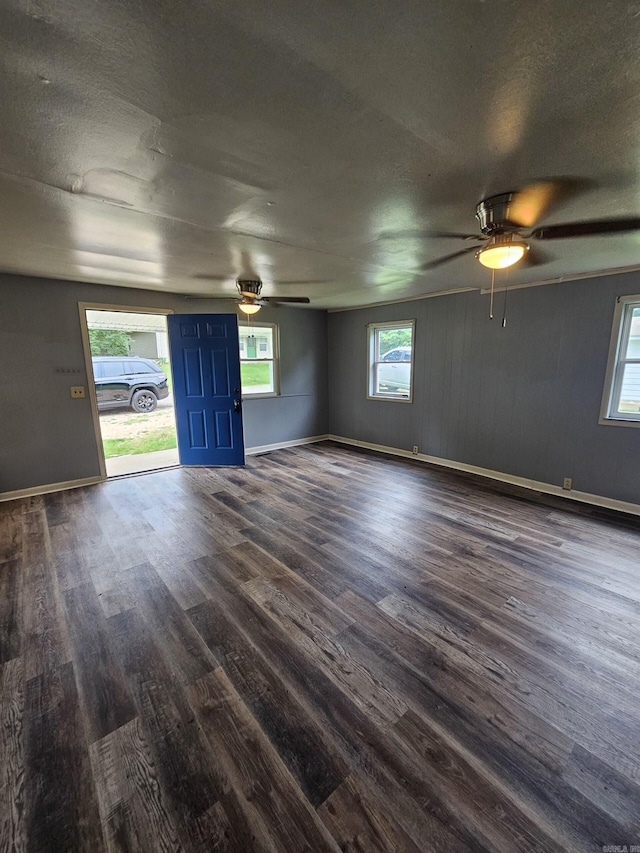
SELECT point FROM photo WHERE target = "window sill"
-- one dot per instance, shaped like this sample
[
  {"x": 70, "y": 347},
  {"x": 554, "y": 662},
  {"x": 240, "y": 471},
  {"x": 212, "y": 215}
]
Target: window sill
[
  {"x": 619, "y": 422},
  {"x": 390, "y": 399},
  {"x": 260, "y": 396}
]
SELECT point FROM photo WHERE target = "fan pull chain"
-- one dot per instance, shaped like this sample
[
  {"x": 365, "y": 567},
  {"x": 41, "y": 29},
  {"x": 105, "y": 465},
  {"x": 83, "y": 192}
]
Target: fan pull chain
[
  {"x": 493, "y": 277},
  {"x": 504, "y": 310}
]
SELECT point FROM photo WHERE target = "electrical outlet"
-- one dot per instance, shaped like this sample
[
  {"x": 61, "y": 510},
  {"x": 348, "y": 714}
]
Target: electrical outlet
[
  {"x": 414, "y": 449},
  {"x": 77, "y": 392},
  {"x": 567, "y": 483}
]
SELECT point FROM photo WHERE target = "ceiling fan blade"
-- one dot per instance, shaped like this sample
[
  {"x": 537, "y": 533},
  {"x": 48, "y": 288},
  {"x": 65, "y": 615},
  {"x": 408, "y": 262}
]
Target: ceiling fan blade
[
  {"x": 529, "y": 204},
  {"x": 586, "y": 229},
  {"x": 209, "y": 277},
  {"x": 276, "y": 282},
  {"x": 302, "y": 300},
  {"x": 430, "y": 265},
  {"x": 269, "y": 281},
  {"x": 231, "y": 297},
  {"x": 248, "y": 267},
  {"x": 535, "y": 257},
  {"x": 427, "y": 234},
  {"x": 245, "y": 265}
]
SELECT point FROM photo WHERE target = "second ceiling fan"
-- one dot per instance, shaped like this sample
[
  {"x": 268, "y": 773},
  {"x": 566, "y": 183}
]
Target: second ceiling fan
[
  {"x": 250, "y": 300},
  {"x": 503, "y": 218},
  {"x": 249, "y": 286}
]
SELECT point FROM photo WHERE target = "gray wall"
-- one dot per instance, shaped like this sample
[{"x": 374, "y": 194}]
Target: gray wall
[
  {"x": 46, "y": 437},
  {"x": 523, "y": 400},
  {"x": 302, "y": 408}
]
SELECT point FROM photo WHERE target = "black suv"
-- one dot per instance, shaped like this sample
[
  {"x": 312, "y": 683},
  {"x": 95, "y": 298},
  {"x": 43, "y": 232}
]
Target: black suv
[{"x": 128, "y": 381}]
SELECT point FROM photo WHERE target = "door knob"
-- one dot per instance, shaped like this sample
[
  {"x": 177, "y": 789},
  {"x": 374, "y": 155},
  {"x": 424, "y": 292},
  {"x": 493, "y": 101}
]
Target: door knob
[{"x": 236, "y": 405}]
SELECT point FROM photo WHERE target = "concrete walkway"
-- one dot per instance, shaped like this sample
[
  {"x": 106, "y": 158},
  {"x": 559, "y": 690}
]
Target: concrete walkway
[{"x": 141, "y": 462}]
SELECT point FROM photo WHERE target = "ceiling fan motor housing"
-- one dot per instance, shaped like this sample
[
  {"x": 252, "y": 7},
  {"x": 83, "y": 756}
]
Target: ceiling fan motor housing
[
  {"x": 494, "y": 214},
  {"x": 249, "y": 287}
]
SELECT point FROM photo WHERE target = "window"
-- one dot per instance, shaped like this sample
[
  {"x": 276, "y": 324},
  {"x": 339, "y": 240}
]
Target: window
[
  {"x": 141, "y": 367},
  {"x": 259, "y": 359},
  {"x": 112, "y": 368},
  {"x": 622, "y": 390},
  {"x": 390, "y": 361}
]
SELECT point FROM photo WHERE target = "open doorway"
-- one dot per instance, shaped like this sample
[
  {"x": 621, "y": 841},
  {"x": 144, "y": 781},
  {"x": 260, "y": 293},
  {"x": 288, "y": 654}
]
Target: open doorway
[{"x": 133, "y": 389}]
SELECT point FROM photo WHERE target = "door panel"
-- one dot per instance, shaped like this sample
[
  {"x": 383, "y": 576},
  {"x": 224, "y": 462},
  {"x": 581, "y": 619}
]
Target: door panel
[{"x": 205, "y": 361}]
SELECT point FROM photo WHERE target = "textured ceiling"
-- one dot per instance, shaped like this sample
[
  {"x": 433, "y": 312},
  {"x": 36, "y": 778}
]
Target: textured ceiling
[{"x": 155, "y": 143}]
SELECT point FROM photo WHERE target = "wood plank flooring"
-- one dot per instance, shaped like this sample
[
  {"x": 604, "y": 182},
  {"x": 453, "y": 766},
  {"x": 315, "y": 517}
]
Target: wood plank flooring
[{"x": 326, "y": 650}]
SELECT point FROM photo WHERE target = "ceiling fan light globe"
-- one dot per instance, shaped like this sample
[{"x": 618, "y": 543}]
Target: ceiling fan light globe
[
  {"x": 249, "y": 307},
  {"x": 501, "y": 256}
]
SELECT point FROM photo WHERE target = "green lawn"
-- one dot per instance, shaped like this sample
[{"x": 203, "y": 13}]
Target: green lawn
[
  {"x": 255, "y": 374},
  {"x": 252, "y": 374},
  {"x": 165, "y": 437},
  {"x": 161, "y": 439}
]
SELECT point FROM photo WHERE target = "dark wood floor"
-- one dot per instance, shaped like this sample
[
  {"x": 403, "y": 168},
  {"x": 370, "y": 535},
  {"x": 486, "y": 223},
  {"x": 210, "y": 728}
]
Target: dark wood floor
[{"x": 327, "y": 650}]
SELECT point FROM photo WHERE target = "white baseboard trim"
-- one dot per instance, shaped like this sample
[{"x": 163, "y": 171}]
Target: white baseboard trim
[
  {"x": 90, "y": 481},
  {"x": 51, "y": 487},
  {"x": 534, "y": 485},
  {"x": 265, "y": 448}
]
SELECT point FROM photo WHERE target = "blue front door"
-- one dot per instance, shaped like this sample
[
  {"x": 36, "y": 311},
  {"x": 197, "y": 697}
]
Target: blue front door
[{"x": 205, "y": 362}]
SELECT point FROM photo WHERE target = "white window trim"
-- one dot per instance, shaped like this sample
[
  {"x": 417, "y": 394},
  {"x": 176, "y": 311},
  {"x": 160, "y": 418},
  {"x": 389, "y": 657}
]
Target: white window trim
[
  {"x": 247, "y": 395},
  {"x": 392, "y": 324},
  {"x": 617, "y": 335}
]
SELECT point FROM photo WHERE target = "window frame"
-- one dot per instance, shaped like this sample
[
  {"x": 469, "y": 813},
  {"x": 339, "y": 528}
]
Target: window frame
[
  {"x": 372, "y": 329},
  {"x": 620, "y": 334},
  {"x": 275, "y": 359}
]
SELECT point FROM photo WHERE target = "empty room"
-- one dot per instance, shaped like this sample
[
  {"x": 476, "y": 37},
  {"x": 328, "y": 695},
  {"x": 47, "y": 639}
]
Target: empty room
[{"x": 319, "y": 428}]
